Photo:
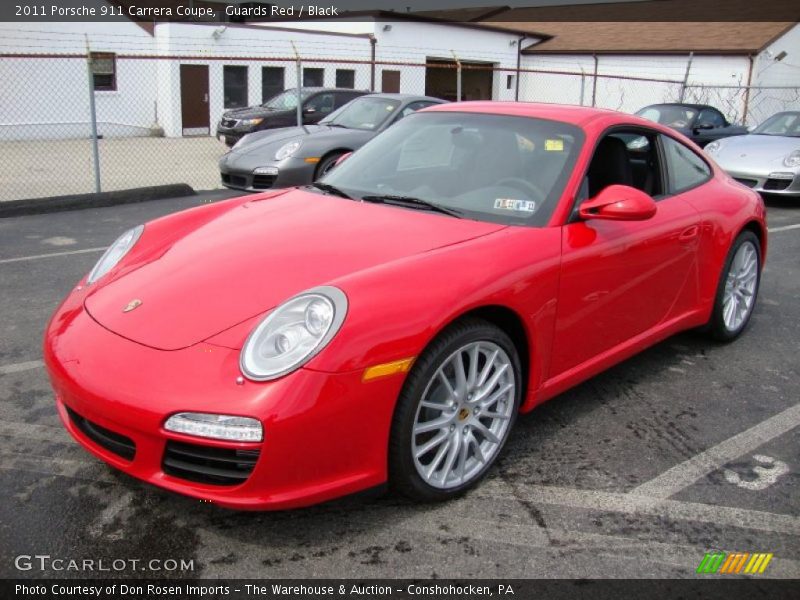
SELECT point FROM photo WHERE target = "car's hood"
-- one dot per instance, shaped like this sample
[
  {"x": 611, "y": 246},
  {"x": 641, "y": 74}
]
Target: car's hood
[
  {"x": 253, "y": 257},
  {"x": 755, "y": 151},
  {"x": 252, "y": 112},
  {"x": 259, "y": 142}
]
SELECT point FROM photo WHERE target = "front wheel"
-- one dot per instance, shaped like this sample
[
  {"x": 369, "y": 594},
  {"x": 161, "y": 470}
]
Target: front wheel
[
  {"x": 737, "y": 289},
  {"x": 455, "y": 412},
  {"x": 326, "y": 164}
]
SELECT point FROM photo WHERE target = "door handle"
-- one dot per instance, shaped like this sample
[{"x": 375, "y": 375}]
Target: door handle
[{"x": 689, "y": 234}]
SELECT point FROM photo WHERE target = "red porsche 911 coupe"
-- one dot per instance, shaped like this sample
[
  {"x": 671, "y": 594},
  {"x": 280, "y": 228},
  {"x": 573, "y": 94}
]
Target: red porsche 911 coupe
[{"x": 389, "y": 322}]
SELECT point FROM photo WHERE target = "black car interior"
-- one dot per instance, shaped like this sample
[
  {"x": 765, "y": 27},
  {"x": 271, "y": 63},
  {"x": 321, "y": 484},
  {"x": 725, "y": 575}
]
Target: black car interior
[{"x": 623, "y": 158}]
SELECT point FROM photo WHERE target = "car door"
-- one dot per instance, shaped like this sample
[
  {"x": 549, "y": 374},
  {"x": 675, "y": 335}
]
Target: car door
[
  {"x": 709, "y": 126},
  {"x": 623, "y": 279},
  {"x": 317, "y": 107}
]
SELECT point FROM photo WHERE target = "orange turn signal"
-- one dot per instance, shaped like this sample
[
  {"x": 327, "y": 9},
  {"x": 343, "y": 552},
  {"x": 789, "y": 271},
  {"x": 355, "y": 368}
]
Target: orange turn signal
[{"x": 386, "y": 369}]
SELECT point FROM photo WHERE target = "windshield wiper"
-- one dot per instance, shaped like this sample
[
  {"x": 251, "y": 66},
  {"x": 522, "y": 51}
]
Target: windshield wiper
[
  {"x": 331, "y": 189},
  {"x": 335, "y": 125},
  {"x": 411, "y": 202}
]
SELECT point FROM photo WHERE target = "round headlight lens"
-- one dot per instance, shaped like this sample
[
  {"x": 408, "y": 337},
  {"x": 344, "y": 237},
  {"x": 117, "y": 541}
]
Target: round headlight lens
[
  {"x": 287, "y": 150},
  {"x": 713, "y": 147},
  {"x": 792, "y": 160},
  {"x": 114, "y": 254},
  {"x": 293, "y": 333}
]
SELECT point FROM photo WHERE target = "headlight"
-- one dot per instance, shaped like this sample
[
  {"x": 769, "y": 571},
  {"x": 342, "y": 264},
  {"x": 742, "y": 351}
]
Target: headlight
[
  {"x": 115, "y": 253},
  {"x": 250, "y": 122},
  {"x": 287, "y": 150},
  {"x": 221, "y": 427},
  {"x": 792, "y": 160},
  {"x": 293, "y": 333},
  {"x": 713, "y": 147}
]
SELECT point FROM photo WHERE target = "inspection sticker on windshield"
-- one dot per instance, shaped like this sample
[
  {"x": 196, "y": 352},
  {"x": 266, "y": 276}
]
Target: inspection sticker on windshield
[
  {"x": 554, "y": 145},
  {"x": 527, "y": 206}
]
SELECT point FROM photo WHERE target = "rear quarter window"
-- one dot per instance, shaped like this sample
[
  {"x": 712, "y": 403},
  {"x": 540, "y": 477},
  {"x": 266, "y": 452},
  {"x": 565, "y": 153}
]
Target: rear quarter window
[{"x": 685, "y": 168}]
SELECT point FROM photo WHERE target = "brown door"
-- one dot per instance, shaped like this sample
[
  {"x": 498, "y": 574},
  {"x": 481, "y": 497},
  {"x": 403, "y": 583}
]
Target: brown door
[
  {"x": 390, "y": 82},
  {"x": 195, "y": 117}
]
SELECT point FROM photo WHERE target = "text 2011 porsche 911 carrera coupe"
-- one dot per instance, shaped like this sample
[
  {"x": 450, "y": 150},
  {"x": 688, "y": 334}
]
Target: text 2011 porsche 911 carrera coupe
[{"x": 388, "y": 323}]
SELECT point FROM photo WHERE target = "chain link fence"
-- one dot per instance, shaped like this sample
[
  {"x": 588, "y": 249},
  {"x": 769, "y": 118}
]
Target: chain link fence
[{"x": 76, "y": 121}]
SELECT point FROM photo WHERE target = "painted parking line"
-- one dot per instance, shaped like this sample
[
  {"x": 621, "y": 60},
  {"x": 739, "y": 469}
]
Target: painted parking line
[
  {"x": 783, "y": 228},
  {"x": 22, "y": 366},
  {"x": 50, "y": 255},
  {"x": 686, "y": 473},
  {"x": 633, "y": 503}
]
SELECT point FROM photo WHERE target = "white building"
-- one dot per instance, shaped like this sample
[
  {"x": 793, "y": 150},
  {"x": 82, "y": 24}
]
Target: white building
[{"x": 178, "y": 78}]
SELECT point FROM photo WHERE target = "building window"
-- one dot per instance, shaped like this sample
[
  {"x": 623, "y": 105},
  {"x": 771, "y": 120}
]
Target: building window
[
  {"x": 313, "y": 77},
  {"x": 272, "y": 82},
  {"x": 235, "y": 86},
  {"x": 104, "y": 71},
  {"x": 509, "y": 82},
  {"x": 345, "y": 78}
]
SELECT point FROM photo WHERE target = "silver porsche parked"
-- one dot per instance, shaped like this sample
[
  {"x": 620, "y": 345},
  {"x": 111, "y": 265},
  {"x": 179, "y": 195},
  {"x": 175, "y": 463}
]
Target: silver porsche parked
[{"x": 767, "y": 159}]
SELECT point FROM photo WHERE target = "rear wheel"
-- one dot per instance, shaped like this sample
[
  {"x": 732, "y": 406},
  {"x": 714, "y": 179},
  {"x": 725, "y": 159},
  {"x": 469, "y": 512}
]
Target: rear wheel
[
  {"x": 737, "y": 289},
  {"x": 455, "y": 412}
]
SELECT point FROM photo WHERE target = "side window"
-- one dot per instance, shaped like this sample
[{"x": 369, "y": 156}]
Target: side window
[
  {"x": 686, "y": 169},
  {"x": 323, "y": 103},
  {"x": 712, "y": 117},
  {"x": 624, "y": 158},
  {"x": 342, "y": 98},
  {"x": 414, "y": 107}
]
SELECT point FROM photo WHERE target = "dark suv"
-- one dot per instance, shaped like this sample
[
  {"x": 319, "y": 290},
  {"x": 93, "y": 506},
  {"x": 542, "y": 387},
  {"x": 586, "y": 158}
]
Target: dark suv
[{"x": 281, "y": 111}]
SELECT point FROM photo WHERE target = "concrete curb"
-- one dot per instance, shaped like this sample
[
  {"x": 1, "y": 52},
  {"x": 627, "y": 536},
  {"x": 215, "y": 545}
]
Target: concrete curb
[{"x": 39, "y": 206}]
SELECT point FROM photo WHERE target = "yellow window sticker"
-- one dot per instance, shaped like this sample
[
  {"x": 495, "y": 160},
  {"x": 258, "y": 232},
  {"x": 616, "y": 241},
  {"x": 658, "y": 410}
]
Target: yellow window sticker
[
  {"x": 554, "y": 145},
  {"x": 527, "y": 206}
]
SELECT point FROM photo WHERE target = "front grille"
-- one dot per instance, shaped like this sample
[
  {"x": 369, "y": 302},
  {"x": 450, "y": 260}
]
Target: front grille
[
  {"x": 263, "y": 182},
  {"x": 747, "y": 182},
  {"x": 229, "y": 122},
  {"x": 208, "y": 464},
  {"x": 777, "y": 184},
  {"x": 113, "y": 442}
]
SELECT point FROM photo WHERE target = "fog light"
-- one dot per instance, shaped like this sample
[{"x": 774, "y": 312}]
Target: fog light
[
  {"x": 781, "y": 175},
  {"x": 265, "y": 171},
  {"x": 221, "y": 427}
]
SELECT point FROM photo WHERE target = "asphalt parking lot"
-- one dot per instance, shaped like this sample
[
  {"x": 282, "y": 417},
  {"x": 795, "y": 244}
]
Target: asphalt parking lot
[{"x": 636, "y": 473}]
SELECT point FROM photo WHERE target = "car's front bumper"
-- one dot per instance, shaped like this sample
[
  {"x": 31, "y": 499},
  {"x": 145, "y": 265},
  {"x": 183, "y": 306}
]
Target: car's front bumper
[
  {"x": 325, "y": 435},
  {"x": 763, "y": 183},
  {"x": 289, "y": 173}
]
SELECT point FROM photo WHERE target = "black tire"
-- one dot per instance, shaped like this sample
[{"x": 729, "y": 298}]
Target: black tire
[
  {"x": 403, "y": 475},
  {"x": 326, "y": 164},
  {"x": 716, "y": 327}
]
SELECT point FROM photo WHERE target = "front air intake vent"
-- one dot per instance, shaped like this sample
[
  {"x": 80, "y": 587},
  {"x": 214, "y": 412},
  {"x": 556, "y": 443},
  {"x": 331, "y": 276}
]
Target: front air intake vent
[
  {"x": 208, "y": 464},
  {"x": 113, "y": 442}
]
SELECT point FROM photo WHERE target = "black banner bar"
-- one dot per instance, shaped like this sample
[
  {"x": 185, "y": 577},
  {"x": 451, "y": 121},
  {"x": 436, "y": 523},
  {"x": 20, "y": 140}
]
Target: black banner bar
[{"x": 710, "y": 588}]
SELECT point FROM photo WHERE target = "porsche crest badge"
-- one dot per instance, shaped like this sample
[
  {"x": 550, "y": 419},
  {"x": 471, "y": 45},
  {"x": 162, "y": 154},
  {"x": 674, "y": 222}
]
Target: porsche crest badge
[{"x": 135, "y": 303}]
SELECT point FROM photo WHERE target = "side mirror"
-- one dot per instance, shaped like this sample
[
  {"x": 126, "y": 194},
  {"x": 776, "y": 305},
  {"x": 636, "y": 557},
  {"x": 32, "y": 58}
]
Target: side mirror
[
  {"x": 342, "y": 158},
  {"x": 309, "y": 110},
  {"x": 704, "y": 125},
  {"x": 619, "y": 203}
]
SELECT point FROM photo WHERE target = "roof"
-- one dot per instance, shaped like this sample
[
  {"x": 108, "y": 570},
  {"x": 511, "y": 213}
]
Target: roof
[
  {"x": 404, "y": 97},
  {"x": 656, "y": 37},
  {"x": 643, "y": 27}
]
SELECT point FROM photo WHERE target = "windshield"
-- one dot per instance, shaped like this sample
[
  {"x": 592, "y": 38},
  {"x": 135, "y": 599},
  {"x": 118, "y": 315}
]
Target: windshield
[
  {"x": 286, "y": 100},
  {"x": 784, "y": 124},
  {"x": 363, "y": 113},
  {"x": 671, "y": 116},
  {"x": 496, "y": 168}
]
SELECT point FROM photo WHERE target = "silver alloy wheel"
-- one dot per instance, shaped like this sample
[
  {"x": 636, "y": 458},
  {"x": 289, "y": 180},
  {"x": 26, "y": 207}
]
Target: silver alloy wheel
[
  {"x": 740, "y": 286},
  {"x": 464, "y": 415}
]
